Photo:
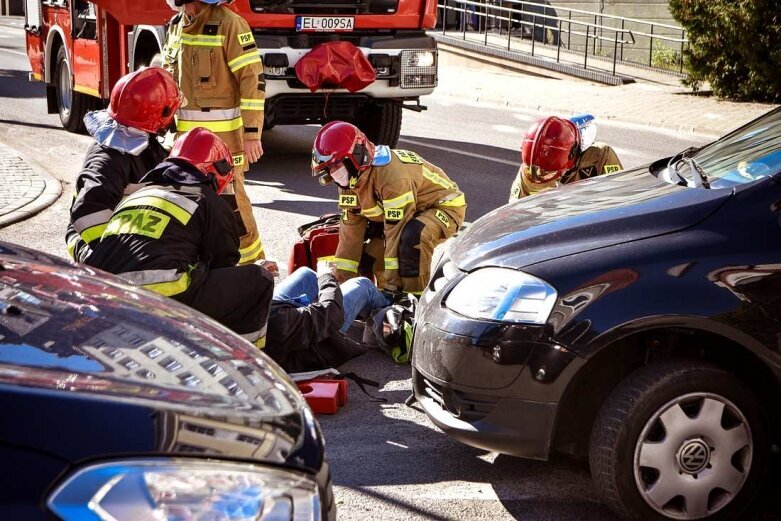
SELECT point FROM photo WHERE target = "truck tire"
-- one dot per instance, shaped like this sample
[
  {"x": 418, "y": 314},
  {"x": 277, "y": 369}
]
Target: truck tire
[
  {"x": 71, "y": 105},
  {"x": 670, "y": 423},
  {"x": 381, "y": 122}
]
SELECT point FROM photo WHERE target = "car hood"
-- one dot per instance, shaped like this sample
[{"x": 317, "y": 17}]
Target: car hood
[
  {"x": 583, "y": 216},
  {"x": 85, "y": 340}
]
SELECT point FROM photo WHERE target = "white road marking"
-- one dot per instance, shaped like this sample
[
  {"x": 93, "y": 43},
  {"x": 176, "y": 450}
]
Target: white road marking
[
  {"x": 457, "y": 151},
  {"x": 506, "y": 129},
  {"x": 14, "y": 52}
]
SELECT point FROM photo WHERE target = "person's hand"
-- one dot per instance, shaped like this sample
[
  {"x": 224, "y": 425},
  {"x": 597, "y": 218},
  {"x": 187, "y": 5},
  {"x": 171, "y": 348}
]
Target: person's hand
[
  {"x": 270, "y": 266},
  {"x": 252, "y": 150}
]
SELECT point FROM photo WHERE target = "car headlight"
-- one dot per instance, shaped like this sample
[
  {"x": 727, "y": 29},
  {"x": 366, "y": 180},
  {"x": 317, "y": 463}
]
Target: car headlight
[
  {"x": 503, "y": 294},
  {"x": 167, "y": 490}
]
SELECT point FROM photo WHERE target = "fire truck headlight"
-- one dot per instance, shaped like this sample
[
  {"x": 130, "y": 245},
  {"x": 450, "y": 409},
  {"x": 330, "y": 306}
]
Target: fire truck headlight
[{"x": 418, "y": 68}]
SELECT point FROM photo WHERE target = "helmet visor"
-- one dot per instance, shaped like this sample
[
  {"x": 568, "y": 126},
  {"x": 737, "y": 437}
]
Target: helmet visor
[{"x": 223, "y": 167}]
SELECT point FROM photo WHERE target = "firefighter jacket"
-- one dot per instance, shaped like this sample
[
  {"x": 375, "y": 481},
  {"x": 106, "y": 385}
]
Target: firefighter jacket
[
  {"x": 598, "y": 159},
  {"x": 106, "y": 176},
  {"x": 218, "y": 67},
  {"x": 297, "y": 337},
  {"x": 160, "y": 234},
  {"x": 394, "y": 194}
]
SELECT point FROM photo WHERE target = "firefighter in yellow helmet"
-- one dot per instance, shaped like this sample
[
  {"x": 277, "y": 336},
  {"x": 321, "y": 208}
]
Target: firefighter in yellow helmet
[
  {"x": 211, "y": 52},
  {"x": 557, "y": 151},
  {"x": 417, "y": 204}
]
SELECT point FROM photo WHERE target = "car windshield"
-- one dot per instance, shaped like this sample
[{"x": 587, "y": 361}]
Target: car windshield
[{"x": 752, "y": 152}]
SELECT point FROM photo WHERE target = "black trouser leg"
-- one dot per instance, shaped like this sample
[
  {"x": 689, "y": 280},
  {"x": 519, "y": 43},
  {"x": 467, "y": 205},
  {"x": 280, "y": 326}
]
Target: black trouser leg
[{"x": 239, "y": 297}]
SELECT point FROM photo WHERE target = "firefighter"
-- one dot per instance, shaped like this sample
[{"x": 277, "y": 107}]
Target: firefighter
[
  {"x": 176, "y": 236},
  {"x": 418, "y": 205},
  {"x": 211, "y": 52},
  {"x": 141, "y": 107},
  {"x": 552, "y": 154}
]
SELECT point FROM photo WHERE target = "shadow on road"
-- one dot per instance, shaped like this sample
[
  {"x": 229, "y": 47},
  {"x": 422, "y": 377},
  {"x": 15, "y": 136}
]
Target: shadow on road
[{"x": 14, "y": 84}]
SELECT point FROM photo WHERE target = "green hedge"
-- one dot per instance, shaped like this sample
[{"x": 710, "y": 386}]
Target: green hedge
[{"x": 735, "y": 45}]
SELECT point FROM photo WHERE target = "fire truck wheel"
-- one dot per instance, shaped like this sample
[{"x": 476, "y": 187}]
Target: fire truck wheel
[
  {"x": 382, "y": 123},
  {"x": 71, "y": 105}
]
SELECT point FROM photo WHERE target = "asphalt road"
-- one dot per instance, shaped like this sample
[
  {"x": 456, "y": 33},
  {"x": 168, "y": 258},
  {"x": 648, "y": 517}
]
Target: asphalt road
[{"x": 388, "y": 460}]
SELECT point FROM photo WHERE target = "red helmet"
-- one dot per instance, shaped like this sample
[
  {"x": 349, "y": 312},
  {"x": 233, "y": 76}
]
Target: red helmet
[
  {"x": 550, "y": 148},
  {"x": 337, "y": 142},
  {"x": 145, "y": 99},
  {"x": 208, "y": 153}
]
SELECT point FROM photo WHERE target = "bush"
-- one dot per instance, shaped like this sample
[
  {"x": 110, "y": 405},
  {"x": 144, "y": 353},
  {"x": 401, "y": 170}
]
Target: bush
[{"x": 735, "y": 45}]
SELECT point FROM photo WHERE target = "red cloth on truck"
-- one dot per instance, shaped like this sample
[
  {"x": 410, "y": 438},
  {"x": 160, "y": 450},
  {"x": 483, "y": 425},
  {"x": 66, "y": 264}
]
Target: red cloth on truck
[{"x": 335, "y": 65}]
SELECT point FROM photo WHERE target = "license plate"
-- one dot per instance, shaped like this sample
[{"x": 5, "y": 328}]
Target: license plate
[{"x": 324, "y": 23}]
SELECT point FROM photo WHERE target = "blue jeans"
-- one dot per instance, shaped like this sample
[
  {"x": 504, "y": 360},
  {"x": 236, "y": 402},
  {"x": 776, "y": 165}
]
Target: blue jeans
[{"x": 359, "y": 294}]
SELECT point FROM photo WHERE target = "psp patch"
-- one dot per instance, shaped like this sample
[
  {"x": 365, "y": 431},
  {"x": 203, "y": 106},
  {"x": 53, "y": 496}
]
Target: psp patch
[
  {"x": 347, "y": 200},
  {"x": 443, "y": 218},
  {"x": 405, "y": 156},
  {"x": 394, "y": 214},
  {"x": 609, "y": 169},
  {"x": 238, "y": 159},
  {"x": 245, "y": 38}
]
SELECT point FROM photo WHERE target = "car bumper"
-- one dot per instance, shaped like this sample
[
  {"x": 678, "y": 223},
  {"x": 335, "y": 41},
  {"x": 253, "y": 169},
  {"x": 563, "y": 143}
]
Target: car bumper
[{"x": 488, "y": 384}]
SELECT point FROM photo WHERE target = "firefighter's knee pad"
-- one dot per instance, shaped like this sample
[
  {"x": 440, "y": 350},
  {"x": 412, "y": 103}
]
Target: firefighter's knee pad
[{"x": 409, "y": 252}]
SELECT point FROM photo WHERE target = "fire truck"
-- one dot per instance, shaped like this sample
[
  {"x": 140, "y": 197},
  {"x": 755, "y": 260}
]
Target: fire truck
[{"x": 79, "y": 49}]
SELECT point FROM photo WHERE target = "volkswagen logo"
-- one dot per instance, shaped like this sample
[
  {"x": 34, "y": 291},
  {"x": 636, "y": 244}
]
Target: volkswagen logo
[{"x": 693, "y": 456}]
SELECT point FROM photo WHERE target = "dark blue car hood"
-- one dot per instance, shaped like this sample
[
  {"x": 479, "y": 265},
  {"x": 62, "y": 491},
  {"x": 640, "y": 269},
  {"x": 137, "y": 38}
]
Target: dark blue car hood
[{"x": 591, "y": 214}]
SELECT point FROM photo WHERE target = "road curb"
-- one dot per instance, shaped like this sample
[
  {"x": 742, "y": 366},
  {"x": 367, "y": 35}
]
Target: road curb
[{"x": 46, "y": 187}]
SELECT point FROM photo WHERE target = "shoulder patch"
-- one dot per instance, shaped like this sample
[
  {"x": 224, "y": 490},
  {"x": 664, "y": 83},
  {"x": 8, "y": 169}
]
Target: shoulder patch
[
  {"x": 246, "y": 38},
  {"x": 394, "y": 214},
  {"x": 609, "y": 169},
  {"x": 405, "y": 156},
  {"x": 348, "y": 200}
]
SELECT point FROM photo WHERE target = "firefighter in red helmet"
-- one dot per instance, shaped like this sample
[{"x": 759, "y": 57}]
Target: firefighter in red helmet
[
  {"x": 177, "y": 237},
  {"x": 414, "y": 201},
  {"x": 554, "y": 152},
  {"x": 141, "y": 107}
]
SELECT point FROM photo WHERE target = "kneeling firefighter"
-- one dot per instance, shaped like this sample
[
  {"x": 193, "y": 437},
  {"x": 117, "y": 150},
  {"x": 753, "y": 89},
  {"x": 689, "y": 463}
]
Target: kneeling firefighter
[
  {"x": 558, "y": 151},
  {"x": 177, "y": 237},
  {"x": 416, "y": 203}
]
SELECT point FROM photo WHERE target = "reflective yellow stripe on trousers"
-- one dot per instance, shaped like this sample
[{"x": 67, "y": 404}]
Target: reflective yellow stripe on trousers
[
  {"x": 251, "y": 252},
  {"x": 226, "y": 120},
  {"x": 346, "y": 265},
  {"x": 164, "y": 282}
]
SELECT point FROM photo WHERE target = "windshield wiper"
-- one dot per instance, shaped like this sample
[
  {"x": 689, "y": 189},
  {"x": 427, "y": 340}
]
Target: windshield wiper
[{"x": 694, "y": 165}]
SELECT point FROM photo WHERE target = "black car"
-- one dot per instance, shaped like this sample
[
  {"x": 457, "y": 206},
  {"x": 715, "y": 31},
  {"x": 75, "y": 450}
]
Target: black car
[
  {"x": 633, "y": 318},
  {"x": 118, "y": 404}
]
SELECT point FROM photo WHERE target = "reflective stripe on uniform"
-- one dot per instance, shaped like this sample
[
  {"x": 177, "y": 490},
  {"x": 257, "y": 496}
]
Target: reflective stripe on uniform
[
  {"x": 211, "y": 115},
  {"x": 214, "y": 126},
  {"x": 374, "y": 211},
  {"x": 202, "y": 40},
  {"x": 93, "y": 233},
  {"x": 400, "y": 201},
  {"x": 438, "y": 179},
  {"x": 180, "y": 207},
  {"x": 164, "y": 282},
  {"x": 257, "y": 337},
  {"x": 460, "y": 200},
  {"x": 391, "y": 263},
  {"x": 346, "y": 265},
  {"x": 73, "y": 240},
  {"x": 88, "y": 221},
  {"x": 252, "y": 104},
  {"x": 244, "y": 60},
  {"x": 251, "y": 252}
]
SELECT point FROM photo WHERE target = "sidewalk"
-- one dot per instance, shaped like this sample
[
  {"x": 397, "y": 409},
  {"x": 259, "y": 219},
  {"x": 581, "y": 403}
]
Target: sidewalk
[
  {"x": 476, "y": 77},
  {"x": 26, "y": 188}
]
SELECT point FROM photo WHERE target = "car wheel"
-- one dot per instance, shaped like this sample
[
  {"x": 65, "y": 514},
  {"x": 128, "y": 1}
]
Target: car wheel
[{"x": 679, "y": 439}]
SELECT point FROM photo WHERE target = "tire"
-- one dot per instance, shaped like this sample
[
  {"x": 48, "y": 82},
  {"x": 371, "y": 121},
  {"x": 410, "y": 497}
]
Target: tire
[
  {"x": 670, "y": 434},
  {"x": 381, "y": 122},
  {"x": 71, "y": 105}
]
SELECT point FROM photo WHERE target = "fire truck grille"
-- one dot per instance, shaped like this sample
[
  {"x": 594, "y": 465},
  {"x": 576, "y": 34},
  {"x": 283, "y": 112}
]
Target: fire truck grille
[
  {"x": 286, "y": 109},
  {"x": 327, "y": 7}
]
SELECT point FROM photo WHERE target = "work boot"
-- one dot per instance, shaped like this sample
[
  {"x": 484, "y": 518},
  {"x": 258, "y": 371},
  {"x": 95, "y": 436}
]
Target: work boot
[{"x": 343, "y": 348}]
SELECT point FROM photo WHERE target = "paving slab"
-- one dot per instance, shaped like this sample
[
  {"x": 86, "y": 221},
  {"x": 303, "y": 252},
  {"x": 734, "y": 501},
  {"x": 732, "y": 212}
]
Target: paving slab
[{"x": 26, "y": 188}]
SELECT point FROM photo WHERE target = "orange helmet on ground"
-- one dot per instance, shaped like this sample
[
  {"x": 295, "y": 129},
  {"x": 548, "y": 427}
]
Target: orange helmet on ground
[
  {"x": 550, "y": 148},
  {"x": 146, "y": 99},
  {"x": 208, "y": 153},
  {"x": 341, "y": 151}
]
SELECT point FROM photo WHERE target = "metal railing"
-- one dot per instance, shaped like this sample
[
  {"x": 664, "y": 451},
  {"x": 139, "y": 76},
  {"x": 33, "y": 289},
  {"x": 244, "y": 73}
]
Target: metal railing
[{"x": 543, "y": 22}]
